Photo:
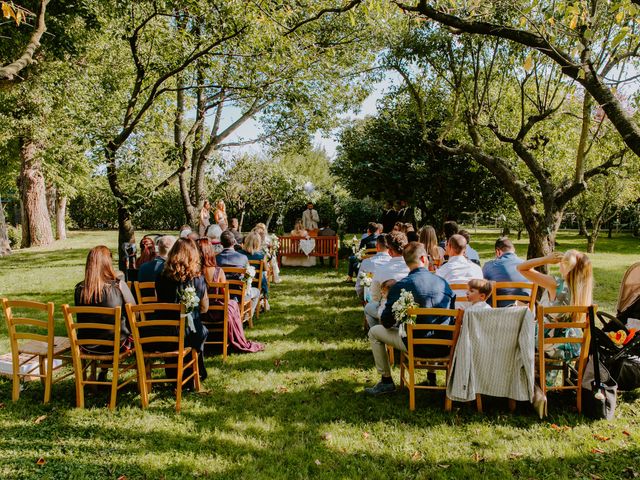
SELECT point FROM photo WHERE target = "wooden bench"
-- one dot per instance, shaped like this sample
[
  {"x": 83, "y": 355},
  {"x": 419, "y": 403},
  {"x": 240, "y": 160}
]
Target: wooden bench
[{"x": 325, "y": 247}]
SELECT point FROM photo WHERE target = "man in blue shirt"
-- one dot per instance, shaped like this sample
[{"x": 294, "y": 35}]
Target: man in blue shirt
[
  {"x": 504, "y": 269},
  {"x": 429, "y": 291}
]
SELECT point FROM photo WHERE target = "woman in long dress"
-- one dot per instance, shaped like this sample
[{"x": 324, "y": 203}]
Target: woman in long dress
[
  {"x": 204, "y": 218},
  {"x": 306, "y": 261},
  {"x": 220, "y": 215}
]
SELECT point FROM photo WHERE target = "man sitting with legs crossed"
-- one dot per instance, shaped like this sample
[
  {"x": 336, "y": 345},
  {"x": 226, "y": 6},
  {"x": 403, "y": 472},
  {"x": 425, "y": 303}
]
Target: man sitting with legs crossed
[{"x": 429, "y": 291}]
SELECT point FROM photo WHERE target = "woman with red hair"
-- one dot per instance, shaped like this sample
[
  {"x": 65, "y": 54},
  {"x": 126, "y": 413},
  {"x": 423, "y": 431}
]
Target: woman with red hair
[{"x": 147, "y": 251}]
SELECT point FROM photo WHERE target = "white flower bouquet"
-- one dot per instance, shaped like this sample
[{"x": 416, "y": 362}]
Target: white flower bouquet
[
  {"x": 360, "y": 254},
  {"x": 354, "y": 244},
  {"x": 366, "y": 278},
  {"x": 249, "y": 274},
  {"x": 401, "y": 308},
  {"x": 275, "y": 244},
  {"x": 191, "y": 301}
]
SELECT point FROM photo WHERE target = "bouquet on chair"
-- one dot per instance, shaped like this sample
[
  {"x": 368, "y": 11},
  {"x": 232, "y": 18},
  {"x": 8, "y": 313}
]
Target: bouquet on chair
[
  {"x": 249, "y": 274},
  {"x": 191, "y": 301},
  {"x": 401, "y": 309},
  {"x": 353, "y": 243},
  {"x": 366, "y": 278},
  {"x": 360, "y": 254}
]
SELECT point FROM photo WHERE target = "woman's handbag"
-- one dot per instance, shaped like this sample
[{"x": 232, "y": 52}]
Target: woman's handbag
[{"x": 599, "y": 389}]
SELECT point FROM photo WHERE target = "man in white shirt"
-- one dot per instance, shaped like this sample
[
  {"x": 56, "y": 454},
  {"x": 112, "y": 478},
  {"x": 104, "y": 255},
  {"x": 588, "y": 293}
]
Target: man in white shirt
[
  {"x": 458, "y": 268},
  {"x": 371, "y": 264},
  {"x": 395, "y": 268}
]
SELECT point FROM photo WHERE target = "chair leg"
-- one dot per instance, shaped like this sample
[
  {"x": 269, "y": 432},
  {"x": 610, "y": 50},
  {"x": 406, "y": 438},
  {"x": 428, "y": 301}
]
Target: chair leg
[
  {"x": 196, "y": 368},
  {"x": 114, "y": 389},
  {"x": 80, "y": 378},
  {"x": 48, "y": 380},
  {"x": 479, "y": 402},
  {"x": 15, "y": 391},
  {"x": 512, "y": 405},
  {"x": 41, "y": 370},
  {"x": 179, "y": 375}
]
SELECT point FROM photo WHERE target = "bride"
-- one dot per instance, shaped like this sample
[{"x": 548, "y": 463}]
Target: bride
[{"x": 306, "y": 245}]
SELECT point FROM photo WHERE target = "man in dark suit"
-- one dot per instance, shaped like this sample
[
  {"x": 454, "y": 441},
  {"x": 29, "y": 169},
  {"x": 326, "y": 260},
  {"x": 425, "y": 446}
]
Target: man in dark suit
[
  {"x": 389, "y": 217},
  {"x": 369, "y": 241},
  {"x": 229, "y": 257},
  {"x": 429, "y": 291}
]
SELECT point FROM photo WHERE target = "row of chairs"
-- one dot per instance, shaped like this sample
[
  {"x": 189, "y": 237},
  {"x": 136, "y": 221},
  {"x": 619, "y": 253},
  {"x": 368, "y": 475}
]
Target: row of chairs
[{"x": 577, "y": 318}]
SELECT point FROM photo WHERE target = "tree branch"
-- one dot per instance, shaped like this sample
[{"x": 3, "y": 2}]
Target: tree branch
[{"x": 324, "y": 11}]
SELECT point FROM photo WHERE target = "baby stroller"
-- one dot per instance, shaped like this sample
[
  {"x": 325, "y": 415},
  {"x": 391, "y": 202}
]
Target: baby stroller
[{"x": 623, "y": 360}]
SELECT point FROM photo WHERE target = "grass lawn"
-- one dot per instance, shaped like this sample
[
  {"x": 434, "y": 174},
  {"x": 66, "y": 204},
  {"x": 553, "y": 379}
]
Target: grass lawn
[{"x": 297, "y": 410}]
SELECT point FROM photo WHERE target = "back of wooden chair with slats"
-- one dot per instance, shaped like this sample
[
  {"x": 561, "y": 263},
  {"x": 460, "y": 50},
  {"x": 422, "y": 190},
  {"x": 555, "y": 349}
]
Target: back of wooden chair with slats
[
  {"x": 410, "y": 361},
  {"x": 97, "y": 345},
  {"x": 368, "y": 253},
  {"x": 563, "y": 317},
  {"x": 32, "y": 338},
  {"x": 260, "y": 266},
  {"x": 238, "y": 290},
  {"x": 145, "y": 292},
  {"x": 514, "y": 292},
  {"x": 458, "y": 289},
  {"x": 159, "y": 333},
  {"x": 218, "y": 323}
]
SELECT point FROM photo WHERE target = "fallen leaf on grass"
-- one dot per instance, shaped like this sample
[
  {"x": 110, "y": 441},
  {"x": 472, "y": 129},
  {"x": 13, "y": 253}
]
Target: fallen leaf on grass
[
  {"x": 443, "y": 466},
  {"x": 562, "y": 428},
  {"x": 597, "y": 450},
  {"x": 593, "y": 476},
  {"x": 40, "y": 419},
  {"x": 626, "y": 432},
  {"x": 282, "y": 389},
  {"x": 318, "y": 462},
  {"x": 326, "y": 436},
  {"x": 478, "y": 458},
  {"x": 122, "y": 477},
  {"x": 416, "y": 456},
  {"x": 601, "y": 437},
  {"x": 514, "y": 455},
  {"x": 365, "y": 434},
  {"x": 41, "y": 461}
]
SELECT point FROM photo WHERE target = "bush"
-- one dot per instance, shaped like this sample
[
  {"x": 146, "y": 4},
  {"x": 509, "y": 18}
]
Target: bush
[
  {"x": 15, "y": 236},
  {"x": 355, "y": 214}
]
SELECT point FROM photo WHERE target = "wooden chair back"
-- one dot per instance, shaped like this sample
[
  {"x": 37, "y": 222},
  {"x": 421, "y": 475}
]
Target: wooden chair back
[
  {"x": 498, "y": 293},
  {"x": 159, "y": 334},
  {"x": 260, "y": 266},
  {"x": 112, "y": 359},
  {"x": 147, "y": 288},
  {"x": 567, "y": 317},
  {"x": 410, "y": 362},
  {"x": 369, "y": 252},
  {"x": 457, "y": 288},
  {"x": 29, "y": 338},
  {"x": 238, "y": 290},
  {"x": 218, "y": 293}
]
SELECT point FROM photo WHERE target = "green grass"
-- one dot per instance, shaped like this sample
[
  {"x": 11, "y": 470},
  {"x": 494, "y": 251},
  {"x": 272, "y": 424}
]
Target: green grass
[{"x": 297, "y": 410}]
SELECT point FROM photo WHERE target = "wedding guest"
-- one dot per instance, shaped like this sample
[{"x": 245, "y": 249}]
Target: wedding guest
[
  {"x": 389, "y": 217},
  {"x": 477, "y": 294},
  {"x": 214, "y": 274},
  {"x": 412, "y": 236},
  {"x": 147, "y": 251},
  {"x": 213, "y": 234},
  {"x": 395, "y": 268},
  {"x": 229, "y": 257},
  {"x": 234, "y": 226},
  {"x": 183, "y": 269},
  {"x": 252, "y": 249},
  {"x": 450, "y": 228},
  {"x": 505, "y": 269},
  {"x": 435, "y": 253},
  {"x": 371, "y": 264},
  {"x": 272, "y": 257},
  {"x": 470, "y": 253},
  {"x": 384, "y": 293},
  {"x": 102, "y": 287},
  {"x": 369, "y": 241},
  {"x": 204, "y": 218},
  {"x": 429, "y": 291},
  {"x": 150, "y": 271},
  {"x": 458, "y": 268},
  {"x": 220, "y": 215},
  {"x": 310, "y": 218}
]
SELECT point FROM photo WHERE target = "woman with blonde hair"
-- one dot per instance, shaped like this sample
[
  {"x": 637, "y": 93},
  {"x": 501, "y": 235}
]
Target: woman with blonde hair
[
  {"x": 204, "y": 218},
  {"x": 252, "y": 249},
  {"x": 102, "y": 287},
  {"x": 220, "y": 215},
  {"x": 429, "y": 239},
  {"x": 272, "y": 259}
]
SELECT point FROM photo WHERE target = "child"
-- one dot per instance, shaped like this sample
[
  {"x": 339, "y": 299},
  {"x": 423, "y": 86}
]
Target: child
[
  {"x": 477, "y": 294},
  {"x": 384, "y": 291}
]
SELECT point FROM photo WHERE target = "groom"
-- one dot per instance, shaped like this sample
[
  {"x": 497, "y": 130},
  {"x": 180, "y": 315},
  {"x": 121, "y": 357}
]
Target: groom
[{"x": 310, "y": 218}]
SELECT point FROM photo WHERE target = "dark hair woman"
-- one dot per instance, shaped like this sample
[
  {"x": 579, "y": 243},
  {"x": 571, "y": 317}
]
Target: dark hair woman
[
  {"x": 102, "y": 287},
  {"x": 182, "y": 270},
  {"x": 212, "y": 273},
  {"x": 147, "y": 251}
]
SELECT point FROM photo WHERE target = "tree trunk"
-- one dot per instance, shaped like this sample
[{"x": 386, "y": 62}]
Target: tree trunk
[
  {"x": 610, "y": 232},
  {"x": 269, "y": 220},
  {"x": 5, "y": 246},
  {"x": 519, "y": 233},
  {"x": 241, "y": 220},
  {"x": 582, "y": 227},
  {"x": 36, "y": 224},
  {"x": 51, "y": 201},
  {"x": 61, "y": 216},
  {"x": 126, "y": 234}
]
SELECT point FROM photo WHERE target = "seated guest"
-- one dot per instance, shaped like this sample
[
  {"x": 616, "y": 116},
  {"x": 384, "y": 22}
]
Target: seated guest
[
  {"x": 370, "y": 265},
  {"x": 470, "y": 253},
  {"x": 369, "y": 241},
  {"x": 397, "y": 227},
  {"x": 234, "y": 226},
  {"x": 478, "y": 293},
  {"x": 380, "y": 230},
  {"x": 458, "y": 268},
  {"x": 326, "y": 230},
  {"x": 272, "y": 258},
  {"x": 214, "y": 274},
  {"x": 102, "y": 287},
  {"x": 450, "y": 228},
  {"x": 149, "y": 271},
  {"x": 252, "y": 249},
  {"x": 435, "y": 253},
  {"x": 184, "y": 232},
  {"x": 412, "y": 236},
  {"x": 395, "y": 268},
  {"x": 429, "y": 291},
  {"x": 213, "y": 234},
  {"x": 229, "y": 257},
  {"x": 147, "y": 251},
  {"x": 505, "y": 269},
  {"x": 181, "y": 270},
  {"x": 384, "y": 294}
]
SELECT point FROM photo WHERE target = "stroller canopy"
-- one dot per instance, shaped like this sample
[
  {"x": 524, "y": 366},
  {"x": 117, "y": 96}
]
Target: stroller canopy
[{"x": 629, "y": 289}]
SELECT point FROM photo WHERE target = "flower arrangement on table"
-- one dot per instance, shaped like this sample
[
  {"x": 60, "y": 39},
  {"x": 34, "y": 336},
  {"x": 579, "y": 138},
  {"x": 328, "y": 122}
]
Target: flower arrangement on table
[
  {"x": 401, "y": 309},
  {"x": 249, "y": 275},
  {"x": 365, "y": 278},
  {"x": 190, "y": 300}
]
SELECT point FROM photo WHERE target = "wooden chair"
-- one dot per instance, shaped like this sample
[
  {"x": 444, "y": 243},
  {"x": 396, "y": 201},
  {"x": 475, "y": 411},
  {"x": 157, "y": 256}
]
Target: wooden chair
[
  {"x": 218, "y": 302},
  {"x": 577, "y": 319},
  {"x": 45, "y": 346},
  {"x": 260, "y": 267},
  {"x": 529, "y": 299},
  {"x": 368, "y": 253},
  {"x": 82, "y": 360},
  {"x": 145, "y": 287},
  {"x": 410, "y": 362},
  {"x": 457, "y": 287},
  {"x": 169, "y": 349},
  {"x": 238, "y": 289}
]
